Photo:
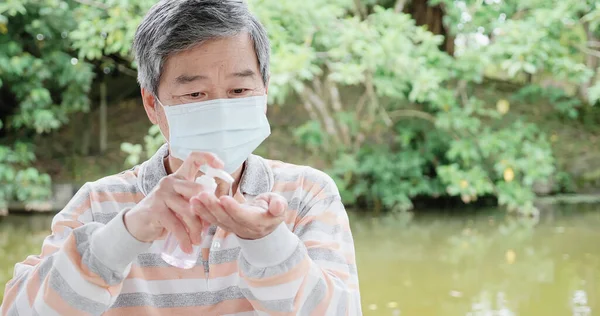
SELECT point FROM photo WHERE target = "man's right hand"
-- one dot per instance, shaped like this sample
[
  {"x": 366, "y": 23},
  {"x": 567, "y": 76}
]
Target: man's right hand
[{"x": 167, "y": 207}]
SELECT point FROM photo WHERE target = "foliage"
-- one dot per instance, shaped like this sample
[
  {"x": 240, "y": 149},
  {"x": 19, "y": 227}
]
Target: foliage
[
  {"x": 397, "y": 117},
  {"x": 381, "y": 139},
  {"x": 415, "y": 128},
  {"x": 41, "y": 84},
  {"x": 136, "y": 153}
]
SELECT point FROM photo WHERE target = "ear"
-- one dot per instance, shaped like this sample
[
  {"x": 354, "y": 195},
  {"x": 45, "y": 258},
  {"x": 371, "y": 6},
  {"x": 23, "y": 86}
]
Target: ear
[
  {"x": 267, "y": 85},
  {"x": 267, "y": 93},
  {"x": 150, "y": 105}
]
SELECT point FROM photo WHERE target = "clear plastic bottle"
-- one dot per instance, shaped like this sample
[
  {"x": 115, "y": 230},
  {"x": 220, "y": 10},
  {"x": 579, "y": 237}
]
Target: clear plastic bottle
[{"x": 172, "y": 253}]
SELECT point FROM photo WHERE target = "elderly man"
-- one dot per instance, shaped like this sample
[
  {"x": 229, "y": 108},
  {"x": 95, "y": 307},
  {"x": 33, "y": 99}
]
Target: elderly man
[{"x": 276, "y": 240}]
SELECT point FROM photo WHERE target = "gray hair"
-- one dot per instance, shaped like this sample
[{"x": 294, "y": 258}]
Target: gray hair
[{"x": 172, "y": 26}]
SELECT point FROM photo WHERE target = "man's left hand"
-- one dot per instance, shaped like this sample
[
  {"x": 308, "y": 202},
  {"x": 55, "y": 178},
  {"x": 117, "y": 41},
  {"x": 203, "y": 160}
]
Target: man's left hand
[{"x": 248, "y": 221}]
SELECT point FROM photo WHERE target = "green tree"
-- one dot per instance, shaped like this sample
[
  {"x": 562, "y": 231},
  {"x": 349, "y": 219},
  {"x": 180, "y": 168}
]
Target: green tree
[
  {"x": 393, "y": 95},
  {"x": 400, "y": 118},
  {"x": 41, "y": 82}
]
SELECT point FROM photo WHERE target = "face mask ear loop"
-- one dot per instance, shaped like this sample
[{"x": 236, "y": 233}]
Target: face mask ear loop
[{"x": 163, "y": 107}]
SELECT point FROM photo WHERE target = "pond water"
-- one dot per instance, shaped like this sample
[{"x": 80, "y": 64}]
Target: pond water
[{"x": 481, "y": 263}]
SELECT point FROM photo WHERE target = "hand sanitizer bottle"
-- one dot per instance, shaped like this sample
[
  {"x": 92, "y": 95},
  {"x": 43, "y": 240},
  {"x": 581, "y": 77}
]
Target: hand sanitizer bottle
[{"x": 172, "y": 253}]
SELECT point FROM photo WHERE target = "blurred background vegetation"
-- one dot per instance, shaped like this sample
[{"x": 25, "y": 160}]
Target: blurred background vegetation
[
  {"x": 398, "y": 100},
  {"x": 407, "y": 104}
]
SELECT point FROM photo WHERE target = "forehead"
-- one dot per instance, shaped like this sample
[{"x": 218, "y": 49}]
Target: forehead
[{"x": 211, "y": 58}]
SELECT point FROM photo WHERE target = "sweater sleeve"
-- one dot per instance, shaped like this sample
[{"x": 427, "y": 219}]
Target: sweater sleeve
[
  {"x": 308, "y": 271},
  {"x": 81, "y": 266}
]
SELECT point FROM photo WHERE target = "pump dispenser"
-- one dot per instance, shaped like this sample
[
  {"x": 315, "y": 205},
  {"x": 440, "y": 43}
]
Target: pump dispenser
[{"x": 172, "y": 253}]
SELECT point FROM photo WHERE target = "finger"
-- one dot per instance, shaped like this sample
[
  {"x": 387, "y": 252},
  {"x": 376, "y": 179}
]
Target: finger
[
  {"x": 244, "y": 216},
  {"x": 260, "y": 203},
  {"x": 182, "y": 208},
  {"x": 233, "y": 208},
  {"x": 192, "y": 163},
  {"x": 213, "y": 205},
  {"x": 187, "y": 189},
  {"x": 203, "y": 212},
  {"x": 171, "y": 223},
  {"x": 277, "y": 203}
]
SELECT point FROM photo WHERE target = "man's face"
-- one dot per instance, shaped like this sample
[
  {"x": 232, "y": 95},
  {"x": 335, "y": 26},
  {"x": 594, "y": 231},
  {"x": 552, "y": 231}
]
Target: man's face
[{"x": 217, "y": 69}]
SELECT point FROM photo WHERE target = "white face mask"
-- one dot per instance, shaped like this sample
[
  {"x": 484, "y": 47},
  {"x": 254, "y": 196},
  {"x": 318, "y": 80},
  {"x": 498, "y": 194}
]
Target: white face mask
[{"x": 229, "y": 128}]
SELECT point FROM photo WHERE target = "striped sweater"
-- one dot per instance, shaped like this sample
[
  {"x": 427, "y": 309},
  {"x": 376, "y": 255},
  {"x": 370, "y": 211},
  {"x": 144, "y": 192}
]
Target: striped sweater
[{"x": 91, "y": 265}]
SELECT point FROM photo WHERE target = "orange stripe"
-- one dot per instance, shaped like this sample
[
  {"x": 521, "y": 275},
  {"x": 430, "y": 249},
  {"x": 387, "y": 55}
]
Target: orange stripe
[
  {"x": 259, "y": 307},
  {"x": 300, "y": 293},
  {"x": 60, "y": 226},
  {"x": 277, "y": 164},
  {"x": 293, "y": 274},
  {"x": 332, "y": 245},
  {"x": 172, "y": 273},
  {"x": 33, "y": 285},
  {"x": 70, "y": 250},
  {"x": 224, "y": 269},
  {"x": 32, "y": 261},
  {"x": 80, "y": 209},
  {"x": 57, "y": 303},
  {"x": 10, "y": 295},
  {"x": 119, "y": 197},
  {"x": 321, "y": 309},
  {"x": 48, "y": 249},
  {"x": 307, "y": 186},
  {"x": 290, "y": 217},
  {"x": 325, "y": 217},
  {"x": 340, "y": 274},
  {"x": 225, "y": 307},
  {"x": 165, "y": 273},
  {"x": 350, "y": 258},
  {"x": 127, "y": 175}
]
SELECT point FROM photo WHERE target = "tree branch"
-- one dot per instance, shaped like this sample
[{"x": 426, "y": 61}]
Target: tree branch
[
  {"x": 593, "y": 44},
  {"x": 413, "y": 113},
  {"x": 399, "y": 6},
  {"x": 122, "y": 68},
  {"x": 360, "y": 10},
  {"x": 336, "y": 104},
  {"x": 462, "y": 90},
  {"x": 321, "y": 107},
  {"x": 589, "y": 51},
  {"x": 375, "y": 106},
  {"x": 127, "y": 71},
  {"x": 93, "y": 3}
]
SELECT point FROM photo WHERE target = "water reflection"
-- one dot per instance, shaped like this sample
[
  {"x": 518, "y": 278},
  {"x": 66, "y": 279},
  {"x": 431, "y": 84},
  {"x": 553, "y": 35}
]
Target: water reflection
[
  {"x": 485, "y": 264},
  {"x": 580, "y": 304},
  {"x": 488, "y": 264},
  {"x": 485, "y": 306}
]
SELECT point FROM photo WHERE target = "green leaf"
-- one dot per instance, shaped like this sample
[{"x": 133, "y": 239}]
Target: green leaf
[{"x": 594, "y": 94}]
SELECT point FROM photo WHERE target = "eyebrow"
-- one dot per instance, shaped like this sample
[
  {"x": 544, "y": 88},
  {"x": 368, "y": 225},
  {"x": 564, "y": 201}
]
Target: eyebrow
[
  {"x": 243, "y": 74},
  {"x": 185, "y": 79}
]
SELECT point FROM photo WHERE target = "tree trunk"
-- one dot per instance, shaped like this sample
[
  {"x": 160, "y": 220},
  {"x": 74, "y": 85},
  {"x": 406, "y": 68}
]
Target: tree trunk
[
  {"x": 103, "y": 118},
  {"x": 433, "y": 18},
  {"x": 591, "y": 61},
  {"x": 85, "y": 132}
]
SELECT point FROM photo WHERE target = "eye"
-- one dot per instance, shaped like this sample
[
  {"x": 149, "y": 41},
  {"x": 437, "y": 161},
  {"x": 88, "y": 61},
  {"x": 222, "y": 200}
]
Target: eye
[
  {"x": 190, "y": 97},
  {"x": 240, "y": 92}
]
